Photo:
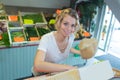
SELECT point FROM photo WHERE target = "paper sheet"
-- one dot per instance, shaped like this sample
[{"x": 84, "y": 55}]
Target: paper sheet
[{"x": 99, "y": 71}]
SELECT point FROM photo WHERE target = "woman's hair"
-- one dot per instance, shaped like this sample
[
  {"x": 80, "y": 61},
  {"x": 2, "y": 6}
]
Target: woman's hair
[{"x": 61, "y": 16}]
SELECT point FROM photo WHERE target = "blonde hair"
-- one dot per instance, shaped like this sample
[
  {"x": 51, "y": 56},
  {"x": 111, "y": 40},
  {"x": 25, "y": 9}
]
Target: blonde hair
[{"x": 61, "y": 16}]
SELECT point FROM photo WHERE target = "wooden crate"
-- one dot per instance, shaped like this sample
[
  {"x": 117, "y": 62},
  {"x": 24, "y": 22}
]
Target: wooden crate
[
  {"x": 17, "y": 37},
  {"x": 14, "y": 21},
  {"x": 33, "y": 18},
  {"x": 31, "y": 34}
]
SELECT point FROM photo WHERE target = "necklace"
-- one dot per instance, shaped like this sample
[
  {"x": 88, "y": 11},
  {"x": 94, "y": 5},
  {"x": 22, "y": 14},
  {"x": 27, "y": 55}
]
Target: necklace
[{"x": 62, "y": 44}]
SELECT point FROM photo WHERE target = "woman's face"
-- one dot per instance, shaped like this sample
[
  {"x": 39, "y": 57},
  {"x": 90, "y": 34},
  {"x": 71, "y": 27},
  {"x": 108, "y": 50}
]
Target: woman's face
[{"x": 68, "y": 25}]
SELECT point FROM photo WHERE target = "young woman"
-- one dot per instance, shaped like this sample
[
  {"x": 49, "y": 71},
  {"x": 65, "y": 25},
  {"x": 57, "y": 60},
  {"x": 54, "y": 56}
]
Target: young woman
[{"x": 56, "y": 46}]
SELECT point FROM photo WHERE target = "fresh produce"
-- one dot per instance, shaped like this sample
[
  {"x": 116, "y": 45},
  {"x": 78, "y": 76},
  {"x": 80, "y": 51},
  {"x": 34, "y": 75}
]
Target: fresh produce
[
  {"x": 16, "y": 34},
  {"x": 5, "y": 39},
  {"x": 11, "y": 25},
  {"x": 35, "y": 17},
  {"x": 2, "y": 17},
  {"x": 19, "y": 39},
  {"x": 42, "y": 31},
  {"x": 13, "y": 18},
  {"x": 30, "y": 32}
]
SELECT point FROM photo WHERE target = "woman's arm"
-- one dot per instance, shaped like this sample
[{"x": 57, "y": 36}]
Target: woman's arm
[
  {"x": 75, "y": 51},
  {"x": 41, "y": 66}
]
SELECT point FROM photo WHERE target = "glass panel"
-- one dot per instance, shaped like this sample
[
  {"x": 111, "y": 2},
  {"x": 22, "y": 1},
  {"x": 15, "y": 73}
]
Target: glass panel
[
  {"x": 114, "y": 47},
  {"x": 105, "y": 29}
]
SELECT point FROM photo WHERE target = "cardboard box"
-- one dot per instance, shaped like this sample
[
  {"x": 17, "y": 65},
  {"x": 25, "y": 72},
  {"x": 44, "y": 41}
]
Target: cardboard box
[{"x": 98, "y": 71}]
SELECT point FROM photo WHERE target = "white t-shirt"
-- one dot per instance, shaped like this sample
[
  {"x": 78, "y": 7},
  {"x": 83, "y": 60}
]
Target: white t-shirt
[{"x": 49, "y": 45}]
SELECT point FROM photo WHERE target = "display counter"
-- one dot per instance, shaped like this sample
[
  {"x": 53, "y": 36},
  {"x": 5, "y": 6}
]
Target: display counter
[{"x": 22, "y": 29}]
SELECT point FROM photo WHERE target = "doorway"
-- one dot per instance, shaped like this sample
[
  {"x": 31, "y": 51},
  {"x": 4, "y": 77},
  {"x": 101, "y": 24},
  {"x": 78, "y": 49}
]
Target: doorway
[
  {"x": 109, "y": 39},
  {"x": 106, "y": 29}
]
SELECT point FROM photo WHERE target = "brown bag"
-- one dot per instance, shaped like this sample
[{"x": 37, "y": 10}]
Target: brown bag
[{"x": 88, "y": 47}]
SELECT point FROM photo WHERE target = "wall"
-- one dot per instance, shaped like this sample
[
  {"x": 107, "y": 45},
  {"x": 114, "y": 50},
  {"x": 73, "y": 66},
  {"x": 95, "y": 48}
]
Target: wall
[
  {"x": 115, "y": 7},
  {"x": 38, "y": 3},
  {"x": 16, "y": 62}
]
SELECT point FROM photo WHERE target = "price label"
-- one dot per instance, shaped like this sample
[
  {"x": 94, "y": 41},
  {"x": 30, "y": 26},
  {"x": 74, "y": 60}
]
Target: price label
[
  {"x": 13, "y": 18},
  {"x": 28, "y": 21}
]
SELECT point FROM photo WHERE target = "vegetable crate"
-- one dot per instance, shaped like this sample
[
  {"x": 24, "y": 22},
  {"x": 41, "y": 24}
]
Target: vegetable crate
[
  {"x": 17, "y": 37},
  {"x": 31, "y": 34},
  {"x": 14, "y": 21},
  {"x": 29, "y": 18},
  {"x": 42, "y": 30}
]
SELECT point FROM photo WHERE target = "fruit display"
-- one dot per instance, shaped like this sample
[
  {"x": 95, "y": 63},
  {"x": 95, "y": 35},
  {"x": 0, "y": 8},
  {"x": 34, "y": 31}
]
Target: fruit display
[
  {"x": 13, "y": 18},
  {"x": 22, "y": 29},
  {"x": 42, "y": 31},
  {"x": 13, "y": 21},
  {"x": 31, "y": 33},
  {"x": 4, "y": 40},
  {"x": 32, "y": 18},
  {"x": 37, "y": 18},
  {"x": 17, "y": 36}
]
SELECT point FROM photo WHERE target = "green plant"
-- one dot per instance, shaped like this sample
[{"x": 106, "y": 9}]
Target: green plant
[
  {"x": 87, "y": 11},
  {"x": 6, "y": 39}
]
